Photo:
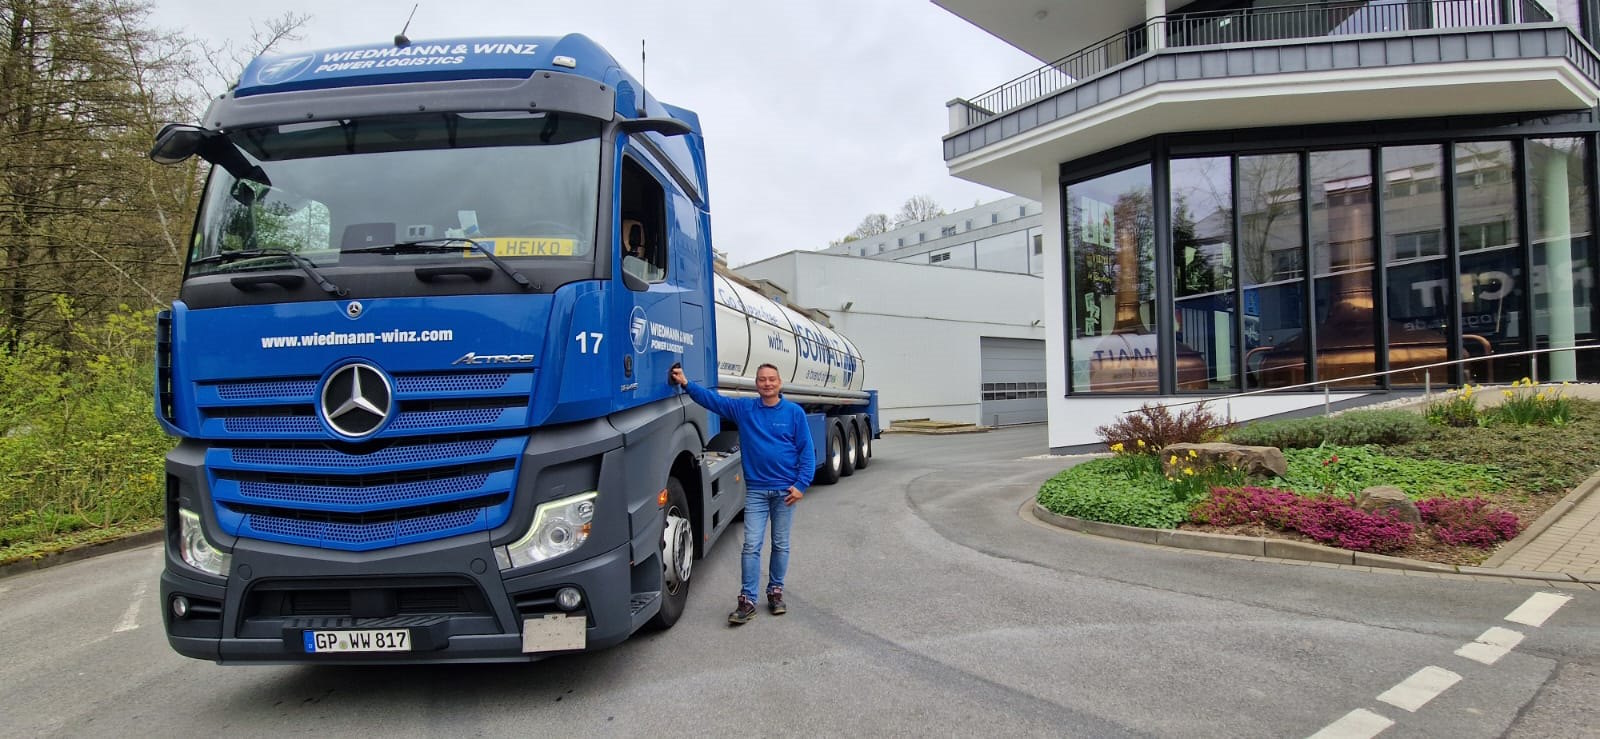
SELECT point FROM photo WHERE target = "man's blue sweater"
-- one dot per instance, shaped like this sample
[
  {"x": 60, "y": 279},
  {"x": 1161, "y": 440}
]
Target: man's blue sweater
[{"x": 775, "y": 439}]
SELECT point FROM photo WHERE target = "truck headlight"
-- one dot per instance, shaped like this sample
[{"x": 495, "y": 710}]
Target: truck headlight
[
  {"x": 559, "y": 526},
  {"x": 194, "y": 548}
]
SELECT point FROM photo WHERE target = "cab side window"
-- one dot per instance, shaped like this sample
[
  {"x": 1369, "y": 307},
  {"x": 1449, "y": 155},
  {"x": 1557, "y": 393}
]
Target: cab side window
[{"x": 641, "y": 227}]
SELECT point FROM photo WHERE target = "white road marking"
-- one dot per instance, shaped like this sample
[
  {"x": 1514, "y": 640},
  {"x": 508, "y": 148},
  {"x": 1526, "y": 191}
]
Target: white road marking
[
  {"x": 1537, "y": 608},
  {"x": 1415, "y": 691},
  {"x": 1357, "y": 724},
  {"x": 130, "y": 617},
  {"x": 1491, "y": 645}
]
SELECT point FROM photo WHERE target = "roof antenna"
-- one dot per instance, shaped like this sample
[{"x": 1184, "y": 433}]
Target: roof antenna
[
  {"x": 644, "y": 81},
  {"x": 400, "y": 39}
]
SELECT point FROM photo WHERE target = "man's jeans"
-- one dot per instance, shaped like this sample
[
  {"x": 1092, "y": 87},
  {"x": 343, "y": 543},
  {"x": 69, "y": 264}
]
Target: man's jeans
[{"x": 759, "y": 506}]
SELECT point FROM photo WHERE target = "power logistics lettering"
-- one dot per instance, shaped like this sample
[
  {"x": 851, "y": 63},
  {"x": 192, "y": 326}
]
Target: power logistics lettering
[
  {"x": 342, "y": 338},
  {"x": 669, "y": 339}
]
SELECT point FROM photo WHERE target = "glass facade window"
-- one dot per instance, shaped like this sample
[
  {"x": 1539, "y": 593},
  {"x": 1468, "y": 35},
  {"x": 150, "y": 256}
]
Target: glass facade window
[
  {"x": 1272, "y": 262},
  {"x": 1111, "y": 283},
  {"x": 1563, "y": 278},
  {"x": 1489, "y": 291},
  {"x": 1343, "y": 265},
  {"x": 1272, "y": 269},
  {"x": 1202, "y": 267},
  {"x": 1417, "y": 297}
]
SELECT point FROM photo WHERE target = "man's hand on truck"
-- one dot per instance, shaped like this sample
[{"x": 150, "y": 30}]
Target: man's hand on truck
[{"x": 675, "y": 377}]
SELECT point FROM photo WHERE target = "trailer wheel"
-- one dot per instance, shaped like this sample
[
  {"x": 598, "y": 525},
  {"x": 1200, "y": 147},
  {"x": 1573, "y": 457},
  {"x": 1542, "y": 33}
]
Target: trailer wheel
[
  {"x": 833, "y": 460},
  {"x": 851, "y": 444},
  {"x": 863, "y": 445},
  {"x": 677, "y": 557}
]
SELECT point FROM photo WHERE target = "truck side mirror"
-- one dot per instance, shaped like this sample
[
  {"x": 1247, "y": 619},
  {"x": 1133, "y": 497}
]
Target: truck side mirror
[{"x": 177, "y": 142}]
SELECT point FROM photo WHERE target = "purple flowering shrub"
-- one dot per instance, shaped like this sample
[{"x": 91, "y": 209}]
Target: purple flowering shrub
[
  {"x": 1338, "y": 522},
  {"x": 1468, "y": 521},
  {"x": 1329, "y": 520}
]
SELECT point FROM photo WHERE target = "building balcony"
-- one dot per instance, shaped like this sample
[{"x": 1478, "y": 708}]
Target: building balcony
[{"x": 1278, "y": 66}]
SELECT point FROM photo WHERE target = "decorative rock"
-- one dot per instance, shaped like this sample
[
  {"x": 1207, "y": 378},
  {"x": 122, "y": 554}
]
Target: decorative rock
[
  {"x": 1256, "y": 461},
  {"x": 1389, "y": 498}
]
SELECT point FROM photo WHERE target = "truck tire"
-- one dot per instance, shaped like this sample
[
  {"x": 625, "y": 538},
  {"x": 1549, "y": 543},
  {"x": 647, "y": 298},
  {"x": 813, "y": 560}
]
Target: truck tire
[
  {"x": 850, "y": 444},
  {"x": 863, "y": 443},
  {"x": 677, "y": 557},
  {"x": 832, "y": 458}
]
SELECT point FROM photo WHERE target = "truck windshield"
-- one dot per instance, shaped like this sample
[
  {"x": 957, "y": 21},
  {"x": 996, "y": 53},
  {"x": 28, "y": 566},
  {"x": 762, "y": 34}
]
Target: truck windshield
[{"x": 522, "y": 186}]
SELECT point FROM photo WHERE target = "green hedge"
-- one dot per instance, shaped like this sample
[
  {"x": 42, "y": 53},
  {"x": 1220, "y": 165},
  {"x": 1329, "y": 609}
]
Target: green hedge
[{"x": 1354, "y": 428}]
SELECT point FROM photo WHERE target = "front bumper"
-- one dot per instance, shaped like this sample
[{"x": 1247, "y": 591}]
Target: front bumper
[{"x": 449, "y": 596}]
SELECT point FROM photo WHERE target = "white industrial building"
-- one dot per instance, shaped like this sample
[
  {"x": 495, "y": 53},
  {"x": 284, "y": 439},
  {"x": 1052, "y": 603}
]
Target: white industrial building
[{"x": 963, "y": 345}]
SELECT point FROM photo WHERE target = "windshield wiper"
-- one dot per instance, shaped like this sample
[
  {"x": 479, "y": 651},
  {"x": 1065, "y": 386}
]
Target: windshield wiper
[
  {"x": 303, "y": 263},
  {"x": 441, "y": 246}
]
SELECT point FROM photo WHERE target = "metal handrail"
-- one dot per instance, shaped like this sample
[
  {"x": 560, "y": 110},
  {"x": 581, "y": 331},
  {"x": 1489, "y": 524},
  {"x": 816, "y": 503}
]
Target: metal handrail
[
  {"x": 1327, "y": 385},
  {"x": 1216, "y": 27}
]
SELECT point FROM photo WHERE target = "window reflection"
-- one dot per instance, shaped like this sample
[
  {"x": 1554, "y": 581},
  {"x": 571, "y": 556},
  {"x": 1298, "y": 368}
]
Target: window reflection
[
  {"x": 1272, "y": 270},
  {"x": 1342, "y": 259},
  {"x": 1492, "y": 301},
  {"x": 1202, "y": 252},
  {"x": 1563, "y": 279},
  {"x": 1417, "y": 297},
  {"x": 1111, "y": 242}
]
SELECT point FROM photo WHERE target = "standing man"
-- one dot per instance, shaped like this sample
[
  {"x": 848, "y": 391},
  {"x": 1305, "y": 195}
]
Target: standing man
[{"x": 778, "y": 464}]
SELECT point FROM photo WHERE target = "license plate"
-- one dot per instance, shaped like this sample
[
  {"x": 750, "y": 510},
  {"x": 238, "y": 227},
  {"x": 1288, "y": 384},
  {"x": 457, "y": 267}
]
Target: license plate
[
  {"x": 556, "y": 632},
  {"x": 364, "y": 640}
]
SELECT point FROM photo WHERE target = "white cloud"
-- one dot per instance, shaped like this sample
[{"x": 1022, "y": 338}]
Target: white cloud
[{"x": 815, "y": 114}]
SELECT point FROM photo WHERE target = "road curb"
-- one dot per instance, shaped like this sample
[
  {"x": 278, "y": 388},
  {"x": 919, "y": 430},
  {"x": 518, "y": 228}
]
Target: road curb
[
  {"x": 1255, "y": 546},
  {"x": 76, "y": 554},
  {"x": 1510, "y": 549}
]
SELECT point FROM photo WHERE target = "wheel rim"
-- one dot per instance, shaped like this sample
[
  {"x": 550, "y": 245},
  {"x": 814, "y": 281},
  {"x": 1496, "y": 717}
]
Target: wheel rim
[
  {"x": 850, "y": 449},
  {"x": 835, "y": 458},
  {"x": 677, "y": 550}
]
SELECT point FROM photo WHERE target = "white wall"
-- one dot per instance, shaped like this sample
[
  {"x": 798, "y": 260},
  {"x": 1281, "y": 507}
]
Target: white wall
[{"x": 917, "y": 326}]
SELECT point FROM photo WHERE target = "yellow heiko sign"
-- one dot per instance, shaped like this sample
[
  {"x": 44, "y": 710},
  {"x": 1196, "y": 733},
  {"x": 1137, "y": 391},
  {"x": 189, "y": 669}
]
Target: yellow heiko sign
[{"x": 526, "y": 246}]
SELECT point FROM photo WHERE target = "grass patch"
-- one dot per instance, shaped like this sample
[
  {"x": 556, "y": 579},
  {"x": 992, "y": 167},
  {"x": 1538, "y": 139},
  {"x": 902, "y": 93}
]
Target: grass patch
[
  {"x": 35, "y": 545},
  {"x": 1535, "y": 460},
  {"x": 1348, "y": 470}
]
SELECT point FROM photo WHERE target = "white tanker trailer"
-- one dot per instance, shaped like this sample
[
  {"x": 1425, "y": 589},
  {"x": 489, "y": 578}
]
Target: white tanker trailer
[{"x": 821, "y": 370}]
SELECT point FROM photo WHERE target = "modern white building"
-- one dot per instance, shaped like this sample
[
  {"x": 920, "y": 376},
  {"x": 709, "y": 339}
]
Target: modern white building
[
  {"x": 1244, "y": 195},
  {"x": 1003, "y": 236},
  {"x": 963, "y": 345}
]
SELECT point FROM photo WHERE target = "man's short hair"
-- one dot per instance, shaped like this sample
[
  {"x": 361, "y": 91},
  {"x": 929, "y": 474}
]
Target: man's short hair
[{"x": 771, "y": 366}]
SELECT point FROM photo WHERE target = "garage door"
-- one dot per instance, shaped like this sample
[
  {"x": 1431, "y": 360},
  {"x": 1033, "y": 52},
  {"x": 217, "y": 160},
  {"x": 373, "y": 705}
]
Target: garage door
[{"x": 1013, "y": 381}]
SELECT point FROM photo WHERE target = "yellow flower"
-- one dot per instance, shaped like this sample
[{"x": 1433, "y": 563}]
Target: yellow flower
[
  {"x": 1506, "y": 393},
  {"x": 1117, "y": 447},
  {"x": 1188, "y": 471},
  {"x": 1540, "y": 396},
  {"x": 1526, "y": 381},
  {"x": 1192, "y": 454},
  {"x": 1173, "y": 459},
  {"x": 1141, "y": 443}
]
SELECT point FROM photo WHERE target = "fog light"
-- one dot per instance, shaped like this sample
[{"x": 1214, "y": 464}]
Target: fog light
[
  {"x": 180, "y": 606},
  {"x": 568, "y": 598}
]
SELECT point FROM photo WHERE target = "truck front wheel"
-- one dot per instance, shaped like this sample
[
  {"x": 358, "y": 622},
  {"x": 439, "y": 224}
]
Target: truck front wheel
[{"x": 677, "y": 557}]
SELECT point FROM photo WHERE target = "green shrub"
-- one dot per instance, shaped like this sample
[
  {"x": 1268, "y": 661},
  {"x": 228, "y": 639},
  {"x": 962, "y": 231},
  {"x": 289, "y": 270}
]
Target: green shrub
[
  {"x": 1156, "y": 426},
  {"x": 1350, "y": 469},
  {"x": 79, "y": 444},
  {"x": 1354, "y": 428},
  {"x": 1127, "y": 489},
  {"x": 1527, "y": 404}
]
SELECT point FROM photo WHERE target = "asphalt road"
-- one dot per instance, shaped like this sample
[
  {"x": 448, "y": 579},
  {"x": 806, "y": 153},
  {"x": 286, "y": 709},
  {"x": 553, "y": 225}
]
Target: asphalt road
[{"x": 921, "y": 604}]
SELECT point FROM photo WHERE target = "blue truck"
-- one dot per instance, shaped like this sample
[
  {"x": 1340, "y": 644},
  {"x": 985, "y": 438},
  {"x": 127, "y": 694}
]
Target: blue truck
[{"x": 417, "y": 368}]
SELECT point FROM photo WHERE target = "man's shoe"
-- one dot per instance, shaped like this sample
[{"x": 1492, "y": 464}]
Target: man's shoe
[
  {"x": 775, "y": 602},
  {"x": 743, "y": 613}
]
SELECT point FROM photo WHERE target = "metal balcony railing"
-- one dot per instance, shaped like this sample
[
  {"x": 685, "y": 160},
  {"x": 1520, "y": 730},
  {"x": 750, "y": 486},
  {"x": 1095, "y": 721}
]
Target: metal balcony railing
[{"x": 1253, "y": 25}]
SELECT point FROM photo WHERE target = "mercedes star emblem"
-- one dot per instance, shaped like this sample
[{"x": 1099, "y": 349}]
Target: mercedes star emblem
[{"x": 356, "y": 399}]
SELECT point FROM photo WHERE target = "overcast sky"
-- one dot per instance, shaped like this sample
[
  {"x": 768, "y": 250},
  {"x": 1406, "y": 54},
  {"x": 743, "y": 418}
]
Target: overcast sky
[{"x": 816, "y": 113}]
